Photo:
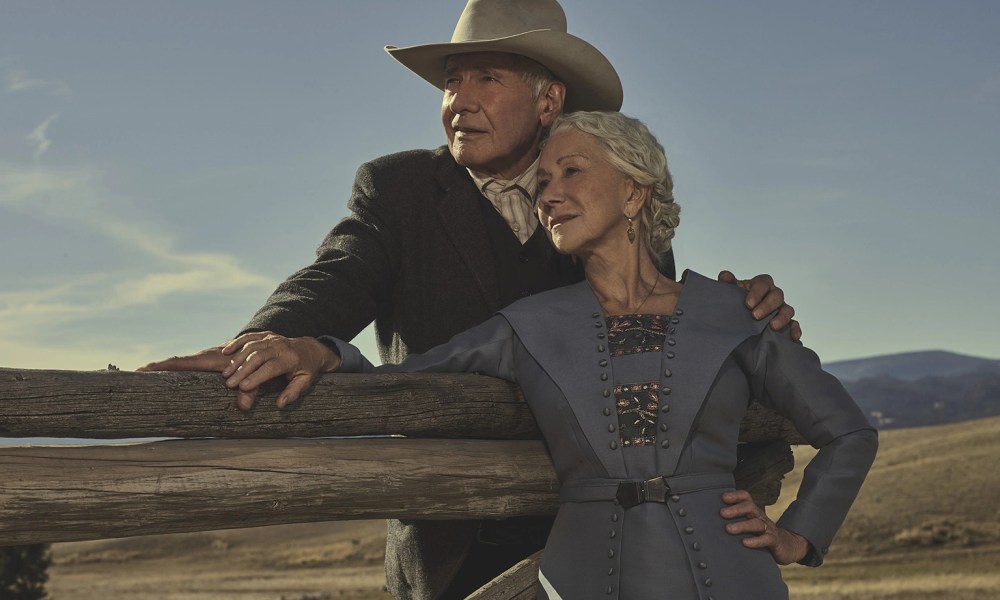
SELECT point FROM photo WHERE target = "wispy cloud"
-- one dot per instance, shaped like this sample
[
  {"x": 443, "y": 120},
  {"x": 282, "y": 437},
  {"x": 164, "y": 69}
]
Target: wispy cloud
[
  {"x": 76, "y": 199},
  {"x": 38, "y": 139},
  {"x": 19, "y": 80}
]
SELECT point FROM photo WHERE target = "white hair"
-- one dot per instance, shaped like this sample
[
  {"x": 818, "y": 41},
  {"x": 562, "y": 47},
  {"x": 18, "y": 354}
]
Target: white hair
[{"x": 634, "y": 151}]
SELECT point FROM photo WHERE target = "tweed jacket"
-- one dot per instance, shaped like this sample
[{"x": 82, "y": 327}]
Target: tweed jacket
[
  {"x": 414, "y": 256},
  {"x": 715, "y": 360}
]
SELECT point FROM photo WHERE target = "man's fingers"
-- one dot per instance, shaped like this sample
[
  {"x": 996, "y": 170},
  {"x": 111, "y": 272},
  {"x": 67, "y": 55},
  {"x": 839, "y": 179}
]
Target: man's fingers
[
  {"x": 782, "y": 318},
  {"x": 763, "y": 296},
  {"x": 295, "y": 388},
  {"x": 727, "y": 277},
  {"x": 237, "y": 343},
  {"x": 207, "y": 360},
  {"x": 796, "y": 331},
  {"x": 245, "y": 400}
]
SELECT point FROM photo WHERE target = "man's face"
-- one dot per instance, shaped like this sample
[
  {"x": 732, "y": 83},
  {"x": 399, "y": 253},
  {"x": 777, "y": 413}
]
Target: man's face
[{"x": 492, "y": 122}]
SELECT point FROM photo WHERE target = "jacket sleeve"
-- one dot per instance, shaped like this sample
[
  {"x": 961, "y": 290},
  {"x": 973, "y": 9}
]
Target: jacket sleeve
[
  {"x": 788, "y": 377},
  {"x": 487, "y": 349},
  {"x": 339, "y": 293}
]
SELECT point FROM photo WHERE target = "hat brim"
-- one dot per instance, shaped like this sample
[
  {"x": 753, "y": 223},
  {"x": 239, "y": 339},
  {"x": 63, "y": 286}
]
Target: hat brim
[{"x": 591, "y": 82}]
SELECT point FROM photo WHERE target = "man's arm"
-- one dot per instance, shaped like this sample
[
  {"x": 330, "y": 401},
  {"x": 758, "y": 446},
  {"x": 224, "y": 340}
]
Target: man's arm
[{"x": 337, "y": 295}]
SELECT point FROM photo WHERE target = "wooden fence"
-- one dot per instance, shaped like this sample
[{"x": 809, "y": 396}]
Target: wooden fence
[{"x": 471, "y": 450}]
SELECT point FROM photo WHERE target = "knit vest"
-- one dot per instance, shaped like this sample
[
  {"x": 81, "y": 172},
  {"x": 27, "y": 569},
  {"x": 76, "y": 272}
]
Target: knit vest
[{"x": 525, "y": 269}]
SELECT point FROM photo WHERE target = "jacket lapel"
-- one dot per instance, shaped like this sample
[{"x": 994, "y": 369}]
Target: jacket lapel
[
  {"x": 564, "y": 330},
  {"x": 461, "y": 218},
  {"x": 709, "y": 322}
]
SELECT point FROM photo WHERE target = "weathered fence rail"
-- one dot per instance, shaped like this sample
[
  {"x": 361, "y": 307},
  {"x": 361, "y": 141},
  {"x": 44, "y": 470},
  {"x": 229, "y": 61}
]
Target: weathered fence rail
[
  {"x": 61, "y": 494},
  {"x": 124, "y": 404},
  {"x": 256, "y": 469}
]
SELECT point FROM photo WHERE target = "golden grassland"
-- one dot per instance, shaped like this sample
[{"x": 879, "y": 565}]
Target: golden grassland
[{"x": 926, "y": 525}]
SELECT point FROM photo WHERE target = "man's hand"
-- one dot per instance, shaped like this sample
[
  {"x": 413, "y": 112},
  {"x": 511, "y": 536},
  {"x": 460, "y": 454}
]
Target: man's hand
[
  {"x": 785, "y": 546},
  {"x": 210, "y": 359},
  {"x": 261, "y": 356},
  {"x": 763, "y": 297},
  {"x": 253, "y": 358}
]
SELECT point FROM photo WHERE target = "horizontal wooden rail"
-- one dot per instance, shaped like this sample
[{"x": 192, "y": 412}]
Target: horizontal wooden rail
[
  {"x": 125, "y": 404},
  {"x": 92, "y": 492},
  {"x": 50, "y": 494},
  {"x": 59, "y": 493}
]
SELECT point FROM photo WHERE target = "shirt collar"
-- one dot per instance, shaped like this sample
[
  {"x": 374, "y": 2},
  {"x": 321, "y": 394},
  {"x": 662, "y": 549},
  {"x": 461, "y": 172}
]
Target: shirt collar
[{"x": 528, "y": 180}]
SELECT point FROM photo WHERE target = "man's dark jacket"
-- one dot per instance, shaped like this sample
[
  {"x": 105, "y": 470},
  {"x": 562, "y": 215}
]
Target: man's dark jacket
[{"x": 415, "y": 256}]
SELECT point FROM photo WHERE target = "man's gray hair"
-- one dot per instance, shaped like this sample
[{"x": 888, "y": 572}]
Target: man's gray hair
[
  {"x": 535, "y": 74},
  {"x": 634, "y": 151}
]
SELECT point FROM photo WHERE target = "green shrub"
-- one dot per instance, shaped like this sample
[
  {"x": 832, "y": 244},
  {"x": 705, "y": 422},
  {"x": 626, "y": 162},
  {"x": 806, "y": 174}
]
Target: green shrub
[{"x": 22, "y": 571}]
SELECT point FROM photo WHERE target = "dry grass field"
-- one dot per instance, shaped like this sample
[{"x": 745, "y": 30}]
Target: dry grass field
[{"x": 927, "y": 525}]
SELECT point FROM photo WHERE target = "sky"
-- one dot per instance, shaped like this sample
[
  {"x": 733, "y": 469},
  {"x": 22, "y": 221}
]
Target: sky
[{"x": 163, "y": 165}]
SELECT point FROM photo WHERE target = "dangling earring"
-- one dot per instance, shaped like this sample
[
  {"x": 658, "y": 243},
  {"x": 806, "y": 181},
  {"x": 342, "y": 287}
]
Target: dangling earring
[{"x": 630, "y": 232}]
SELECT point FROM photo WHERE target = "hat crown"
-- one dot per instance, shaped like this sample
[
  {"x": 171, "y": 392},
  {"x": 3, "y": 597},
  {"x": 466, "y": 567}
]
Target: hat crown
[{"x": 494, "y": 19}]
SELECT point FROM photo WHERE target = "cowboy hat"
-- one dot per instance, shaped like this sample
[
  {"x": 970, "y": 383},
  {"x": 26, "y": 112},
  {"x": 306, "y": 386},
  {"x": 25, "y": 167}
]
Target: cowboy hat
[{"x": 532, "y": 28}]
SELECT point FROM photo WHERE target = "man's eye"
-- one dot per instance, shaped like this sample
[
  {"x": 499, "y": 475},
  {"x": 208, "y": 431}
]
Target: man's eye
[{"x": 571, "y": 170}]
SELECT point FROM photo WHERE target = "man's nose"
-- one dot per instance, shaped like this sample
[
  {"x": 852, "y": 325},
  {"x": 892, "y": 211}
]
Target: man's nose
[{"x": 463, "y": 99}]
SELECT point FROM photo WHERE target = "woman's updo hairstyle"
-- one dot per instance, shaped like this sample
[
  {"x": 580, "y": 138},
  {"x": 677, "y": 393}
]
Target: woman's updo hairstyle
[{"x": 634, "y": 151}]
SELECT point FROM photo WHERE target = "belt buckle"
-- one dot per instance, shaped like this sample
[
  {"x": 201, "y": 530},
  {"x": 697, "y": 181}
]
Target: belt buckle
[
  {"x": 633, "y": 493},
  {"x": 656, "y": 489},
  {"x": 630, "y": 493}
]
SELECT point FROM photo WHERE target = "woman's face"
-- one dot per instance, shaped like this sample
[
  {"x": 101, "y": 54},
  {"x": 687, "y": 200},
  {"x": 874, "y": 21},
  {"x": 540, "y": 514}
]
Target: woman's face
[{"x": 582, "y": 198}]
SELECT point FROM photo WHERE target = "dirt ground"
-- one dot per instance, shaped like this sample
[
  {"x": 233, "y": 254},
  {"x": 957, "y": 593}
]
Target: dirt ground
[
  {"x": 293, "y": 562},
  {"x": 344, "y": 560}
]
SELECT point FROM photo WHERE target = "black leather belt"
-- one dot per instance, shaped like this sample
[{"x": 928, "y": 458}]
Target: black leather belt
[{"x": 629, "y": 493}]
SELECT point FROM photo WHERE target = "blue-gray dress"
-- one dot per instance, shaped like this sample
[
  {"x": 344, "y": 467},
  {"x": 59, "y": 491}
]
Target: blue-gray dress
[{"x": 665, "y": 408}]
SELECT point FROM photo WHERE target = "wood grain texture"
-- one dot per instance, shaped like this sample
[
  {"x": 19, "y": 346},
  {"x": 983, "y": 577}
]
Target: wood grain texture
[
  {"x": 125, "y": 404},
  {"x": 51, "y": 494},
  {"x": 94, "y": 492},
  {"x": 245, "y": 478},
  {"x": 516, "y": 583}
]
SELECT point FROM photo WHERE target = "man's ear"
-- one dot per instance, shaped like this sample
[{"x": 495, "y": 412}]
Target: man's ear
[{"x": 551, "y": 102}]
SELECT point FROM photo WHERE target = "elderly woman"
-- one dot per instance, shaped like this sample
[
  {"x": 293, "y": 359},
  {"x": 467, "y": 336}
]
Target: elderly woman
[{"x": 639, "y": 384}]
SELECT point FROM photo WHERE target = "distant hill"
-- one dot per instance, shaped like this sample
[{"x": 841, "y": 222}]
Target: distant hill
[
  {"x": 911, "y": 366},
  {"x": 917, "y": 389}
]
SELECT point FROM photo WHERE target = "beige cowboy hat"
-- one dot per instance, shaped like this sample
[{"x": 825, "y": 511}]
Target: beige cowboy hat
[{"x": 532, "y": 28}]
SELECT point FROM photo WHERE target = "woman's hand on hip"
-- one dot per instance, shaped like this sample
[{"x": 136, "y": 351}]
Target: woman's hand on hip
[{"x": 750, "y": 520}]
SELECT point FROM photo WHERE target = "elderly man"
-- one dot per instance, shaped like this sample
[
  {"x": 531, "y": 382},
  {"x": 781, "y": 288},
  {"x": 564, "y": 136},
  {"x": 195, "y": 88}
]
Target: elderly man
[{"x": 438, "y": 240}]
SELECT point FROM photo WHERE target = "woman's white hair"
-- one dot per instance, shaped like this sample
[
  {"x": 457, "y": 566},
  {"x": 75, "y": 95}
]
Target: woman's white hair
[{"x": 634, "y": 151}]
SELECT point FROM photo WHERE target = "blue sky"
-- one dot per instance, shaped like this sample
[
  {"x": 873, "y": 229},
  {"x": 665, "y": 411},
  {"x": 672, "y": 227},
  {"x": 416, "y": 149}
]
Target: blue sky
[{"x": 163, "y": 165}]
